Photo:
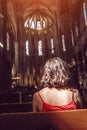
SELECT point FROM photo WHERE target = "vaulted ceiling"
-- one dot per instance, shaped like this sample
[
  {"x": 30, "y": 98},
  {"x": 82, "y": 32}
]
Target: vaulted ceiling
[
  {"x": 22, "y": 5},
  {"x": 26, "y": 7}
]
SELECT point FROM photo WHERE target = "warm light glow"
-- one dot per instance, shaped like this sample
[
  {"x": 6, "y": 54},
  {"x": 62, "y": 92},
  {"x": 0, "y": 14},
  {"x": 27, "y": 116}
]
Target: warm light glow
[{"x": 15, "y": 78}]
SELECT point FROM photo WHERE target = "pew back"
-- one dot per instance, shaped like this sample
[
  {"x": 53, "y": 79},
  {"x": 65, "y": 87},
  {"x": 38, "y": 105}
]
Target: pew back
[{"x": 62, "y": 120}]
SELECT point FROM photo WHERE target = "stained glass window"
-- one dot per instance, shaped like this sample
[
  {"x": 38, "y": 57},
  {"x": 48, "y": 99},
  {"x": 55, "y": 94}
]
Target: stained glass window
[
  {"x": 85, "y": 13},
  {"x": 63, "y": 43},
  {"x": 27, "y": 47},
  {"x": 40, "y": 53}
]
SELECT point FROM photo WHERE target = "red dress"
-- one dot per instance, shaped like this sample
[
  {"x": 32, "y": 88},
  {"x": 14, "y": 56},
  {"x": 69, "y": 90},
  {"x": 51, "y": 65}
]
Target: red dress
[{"x": 47, "y": 107}]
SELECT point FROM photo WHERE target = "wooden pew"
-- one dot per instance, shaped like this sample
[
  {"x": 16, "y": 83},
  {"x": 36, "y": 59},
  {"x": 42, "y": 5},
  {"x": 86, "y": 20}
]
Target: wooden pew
[{"x": 60, "y": 120}]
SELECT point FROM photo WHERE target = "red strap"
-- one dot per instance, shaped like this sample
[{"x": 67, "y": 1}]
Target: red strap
[{"x": 40, "y": 97}]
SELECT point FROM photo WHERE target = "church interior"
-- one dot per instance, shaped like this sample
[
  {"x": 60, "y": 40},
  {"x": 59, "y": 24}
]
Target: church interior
[{"x": 32, "y": 31}]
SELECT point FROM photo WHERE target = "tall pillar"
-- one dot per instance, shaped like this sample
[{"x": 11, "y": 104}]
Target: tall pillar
[{"x": 5, "y": 71}]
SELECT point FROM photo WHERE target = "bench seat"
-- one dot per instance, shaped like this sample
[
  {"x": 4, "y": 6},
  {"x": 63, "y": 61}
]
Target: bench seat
[{"x": 59, "y": 120}]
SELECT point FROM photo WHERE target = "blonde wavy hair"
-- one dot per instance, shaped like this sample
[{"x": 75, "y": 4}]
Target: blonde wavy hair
[{"x": 56, "y": 73}]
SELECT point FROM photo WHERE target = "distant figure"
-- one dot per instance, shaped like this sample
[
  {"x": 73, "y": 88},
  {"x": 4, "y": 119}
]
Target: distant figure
[
  {"x": 56, "y": 94},
  {"x": 73, "y": 68}
]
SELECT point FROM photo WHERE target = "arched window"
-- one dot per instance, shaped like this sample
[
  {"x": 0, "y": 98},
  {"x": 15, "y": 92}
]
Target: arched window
[
  {"x": 27, "y": 47},
  {"x": 40, "y": 53},
  {"x": 38, "y": 20},
  {"x": 85, "y": 13}
]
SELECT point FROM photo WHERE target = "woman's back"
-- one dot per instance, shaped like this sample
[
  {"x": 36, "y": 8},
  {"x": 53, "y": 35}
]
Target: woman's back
[
  {"x": 56, "y": 99},
  {"x": 56, "y": 95},
  {"x": 62, "y": 96}
]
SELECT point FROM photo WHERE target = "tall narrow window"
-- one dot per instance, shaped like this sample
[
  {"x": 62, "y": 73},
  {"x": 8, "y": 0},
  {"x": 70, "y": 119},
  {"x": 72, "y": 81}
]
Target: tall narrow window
[
  {"x": 76, "y": 30},
  {"x": 72, "y": 37},
  {"x": 44, "y": 23},
  {"x": 52, "y": 46},
  {"x": 40, "y": 53},
  {"x": 1, "y": 45},
  {"x": 63, "y": 43},
  {"x": 38, "y": 25},
  {"x": 27, "y": 47},
  {"x": 8, "y": 41},
  {"x": 85, "y": 13},
  {"x": 32, "y": 24}
]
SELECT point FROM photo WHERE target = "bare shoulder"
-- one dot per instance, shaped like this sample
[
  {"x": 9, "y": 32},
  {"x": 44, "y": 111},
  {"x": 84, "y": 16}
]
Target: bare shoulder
[
  {"x": 43, "y": 90},
  {"x": 35, "y": 95},
  {"x": 35, "y": 102}
]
